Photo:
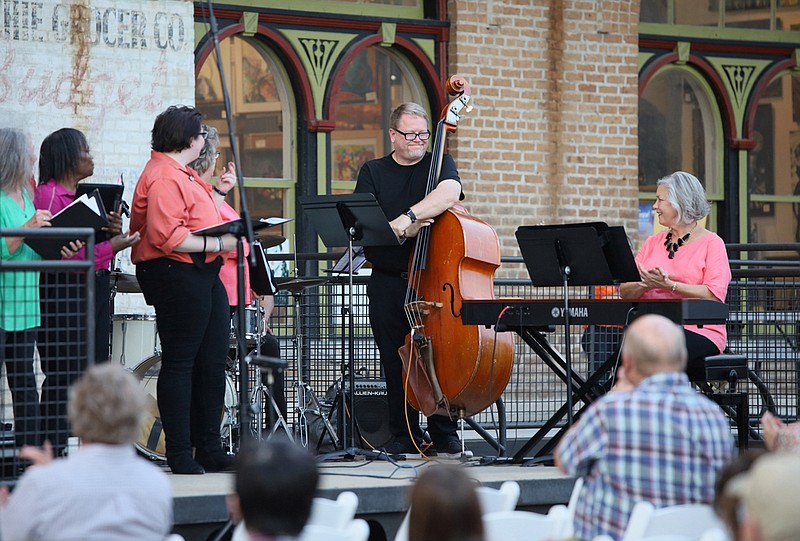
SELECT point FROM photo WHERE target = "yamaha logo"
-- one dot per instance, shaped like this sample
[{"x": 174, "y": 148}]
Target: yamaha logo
[{"x": 580, "y": 311}]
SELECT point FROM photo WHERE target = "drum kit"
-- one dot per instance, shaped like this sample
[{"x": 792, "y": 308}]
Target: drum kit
[{"x": 135, "y": 345}]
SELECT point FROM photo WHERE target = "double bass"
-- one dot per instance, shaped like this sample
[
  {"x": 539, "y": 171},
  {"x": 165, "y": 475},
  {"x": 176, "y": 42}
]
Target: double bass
[{"x": 450, "y": 368}]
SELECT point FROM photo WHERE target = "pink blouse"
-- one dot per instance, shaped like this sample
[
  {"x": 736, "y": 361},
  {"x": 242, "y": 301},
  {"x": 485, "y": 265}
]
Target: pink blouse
[
  {"x": 227, "y": 273},
  {"x": 702, "y": 261}
]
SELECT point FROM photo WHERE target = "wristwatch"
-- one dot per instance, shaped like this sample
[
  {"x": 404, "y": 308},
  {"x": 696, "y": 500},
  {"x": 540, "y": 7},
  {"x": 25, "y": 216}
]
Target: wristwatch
[{"x": 411, "y": 215}]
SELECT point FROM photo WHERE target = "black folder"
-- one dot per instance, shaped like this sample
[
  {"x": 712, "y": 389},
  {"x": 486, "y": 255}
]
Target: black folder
[
  {"x": 228, "y": 227},
  {"x": 76, "y": 214},
  {"x": 111, "y": 194},
  {"x": 262, "y": 280}
]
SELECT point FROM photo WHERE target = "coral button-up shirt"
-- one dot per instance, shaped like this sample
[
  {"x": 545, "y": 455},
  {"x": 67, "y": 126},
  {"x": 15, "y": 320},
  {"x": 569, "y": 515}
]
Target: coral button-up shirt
[{"x": 169, "y": 202}]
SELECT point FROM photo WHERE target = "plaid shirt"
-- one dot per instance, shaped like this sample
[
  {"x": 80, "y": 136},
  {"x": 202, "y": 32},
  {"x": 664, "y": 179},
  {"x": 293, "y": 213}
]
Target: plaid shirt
[{"x": 661, "y": 442}]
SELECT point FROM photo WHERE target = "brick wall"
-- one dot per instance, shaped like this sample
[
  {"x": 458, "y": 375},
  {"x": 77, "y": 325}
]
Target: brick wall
[{"x": 553, "y": 135}]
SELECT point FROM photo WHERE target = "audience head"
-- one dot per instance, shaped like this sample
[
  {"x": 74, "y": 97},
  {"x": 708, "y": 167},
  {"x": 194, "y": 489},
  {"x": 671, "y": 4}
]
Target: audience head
[
  {"x": 409, "y": 108},
  {"x": 652, "y": 344},
  {"x": 65, "y": 153},
  {"x": 275, "y": 485},
  {"x": 724, "y": 504},
  {"x": 769, "y": 493},
  {"x": 176, "y": 129},
  {"x": 687, "y": 196},
  {"x": 16, "y": 166},
  {"x": 107, "y": 405},
  {"x": 445, "y": 507},
  {"x": 205, "y": 162}
]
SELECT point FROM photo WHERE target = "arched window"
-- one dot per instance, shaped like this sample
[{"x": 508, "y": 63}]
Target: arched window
[
  {"x": 679, "y": 130},
  {"x": 773, "y": 165},
  {"x": 262, "y": 120},
  {"x": 375, "y": 82}
]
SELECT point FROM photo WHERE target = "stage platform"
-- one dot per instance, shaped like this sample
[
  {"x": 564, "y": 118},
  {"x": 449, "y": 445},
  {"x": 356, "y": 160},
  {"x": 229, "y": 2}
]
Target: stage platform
[{"x": 381, "y": 488}]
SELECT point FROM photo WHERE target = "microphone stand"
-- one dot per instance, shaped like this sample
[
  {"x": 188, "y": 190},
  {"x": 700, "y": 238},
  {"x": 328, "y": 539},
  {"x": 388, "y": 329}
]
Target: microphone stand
[{"x": 241, "y": 232}]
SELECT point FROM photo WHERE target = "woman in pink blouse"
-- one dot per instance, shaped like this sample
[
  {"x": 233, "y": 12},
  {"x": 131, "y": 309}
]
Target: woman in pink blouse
[
  {"x": 684, "y": 261},
  {"x": 65, "y": 160}
]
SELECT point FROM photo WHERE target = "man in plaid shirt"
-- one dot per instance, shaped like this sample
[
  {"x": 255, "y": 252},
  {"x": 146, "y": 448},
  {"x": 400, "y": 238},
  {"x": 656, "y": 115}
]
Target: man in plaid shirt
[{"x": 653, "y": 438}]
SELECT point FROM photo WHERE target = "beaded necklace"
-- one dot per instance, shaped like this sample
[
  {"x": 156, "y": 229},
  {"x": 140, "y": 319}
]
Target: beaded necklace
[{"x": 672, "y": 247}]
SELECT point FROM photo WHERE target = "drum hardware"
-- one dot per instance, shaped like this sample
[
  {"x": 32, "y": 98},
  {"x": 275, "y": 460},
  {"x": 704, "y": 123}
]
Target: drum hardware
[
  {"x": 267, "y": 366},
  {"x": 134, "y": 337},
  {"x": 122, "y": 282},
  {"x": 307, "y": 400},
  {"x": 254, "y": 327},
  {"x": 268, "y": 241}
]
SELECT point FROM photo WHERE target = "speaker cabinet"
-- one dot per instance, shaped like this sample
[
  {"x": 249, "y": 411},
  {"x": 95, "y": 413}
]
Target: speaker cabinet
[{"x": 372, "y": 412}]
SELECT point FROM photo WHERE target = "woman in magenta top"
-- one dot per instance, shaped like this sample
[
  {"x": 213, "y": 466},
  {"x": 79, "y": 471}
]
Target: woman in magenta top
[
  {"x": 684, "y": 261},
  {"x": 64, "y": 161}
]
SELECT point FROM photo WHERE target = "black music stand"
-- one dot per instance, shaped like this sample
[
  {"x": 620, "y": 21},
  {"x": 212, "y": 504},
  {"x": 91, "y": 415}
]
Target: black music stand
[
  {"x": 349, "y": 220},
  {"x": 576, "y": 255}
]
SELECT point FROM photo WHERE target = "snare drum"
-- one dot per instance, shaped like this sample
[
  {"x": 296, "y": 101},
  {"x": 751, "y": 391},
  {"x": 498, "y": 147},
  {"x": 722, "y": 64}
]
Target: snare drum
[
  {"x": 135, "y": 338},
  {"x": 151, "y": 441},
  {"x": 253, "y": 325}
]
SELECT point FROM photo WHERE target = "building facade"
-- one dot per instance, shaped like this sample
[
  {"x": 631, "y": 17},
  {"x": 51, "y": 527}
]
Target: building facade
[{"x": 579, "y": 107}]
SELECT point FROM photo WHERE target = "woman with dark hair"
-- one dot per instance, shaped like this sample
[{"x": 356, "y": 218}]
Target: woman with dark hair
[
  {"x": 179, "y": 275},
  {"x": 684, "y": 261},
  {"x": 445, "y": 507},
  {"x": 65, "y": 160},
  {"x": 19, "y": 291}
]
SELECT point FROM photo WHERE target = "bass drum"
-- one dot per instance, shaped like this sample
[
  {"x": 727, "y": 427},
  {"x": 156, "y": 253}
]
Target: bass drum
[{"x": 151, "y": 441}]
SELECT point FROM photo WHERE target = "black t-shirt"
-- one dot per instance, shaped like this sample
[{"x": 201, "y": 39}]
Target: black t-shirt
[{"x": 397, "y": 187}]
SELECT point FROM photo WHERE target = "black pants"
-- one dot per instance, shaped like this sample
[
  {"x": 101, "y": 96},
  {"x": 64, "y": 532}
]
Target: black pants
[
  {"x": 193, "y": 324},
  {"x": 698, "y": 347},
  {"x": 62, "y": 343},
  {"x": 16, "y": 351},
  {"x": 389, "y": 327}
]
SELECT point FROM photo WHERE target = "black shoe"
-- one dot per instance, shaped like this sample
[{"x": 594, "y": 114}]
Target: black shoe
[
  {"x": 184, "y": 464},
  {"x": 451, "y": 448},
  {"x": 405, "y": 447},
  {"x": 214, "y": 461}
]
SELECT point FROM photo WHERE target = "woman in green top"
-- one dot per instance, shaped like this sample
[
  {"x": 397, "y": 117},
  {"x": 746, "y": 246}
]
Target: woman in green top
[{"x": 19, "y": 291}]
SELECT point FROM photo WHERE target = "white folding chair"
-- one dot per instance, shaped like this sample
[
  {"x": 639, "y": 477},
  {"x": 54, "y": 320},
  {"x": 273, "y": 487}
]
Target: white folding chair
[
  {"x": 335, "y": 513},
  {"x": 494, "y": 500},
  {"x": 688, "y": 521},
  {"x": 715, "y": 534},
  {"x": 526, "y": 526},
  {"x": 573, "y": 503},
  {"x": 355, "y": 530}
]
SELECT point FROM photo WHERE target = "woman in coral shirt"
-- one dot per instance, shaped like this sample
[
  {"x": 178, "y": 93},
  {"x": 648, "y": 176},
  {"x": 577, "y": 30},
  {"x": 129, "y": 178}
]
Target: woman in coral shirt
[{"x": 179, "y": 275}]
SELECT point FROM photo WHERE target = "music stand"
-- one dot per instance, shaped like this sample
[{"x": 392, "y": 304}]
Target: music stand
[
  {"x": 576, "y": 255},
  {"x": 349, "y": 220}
]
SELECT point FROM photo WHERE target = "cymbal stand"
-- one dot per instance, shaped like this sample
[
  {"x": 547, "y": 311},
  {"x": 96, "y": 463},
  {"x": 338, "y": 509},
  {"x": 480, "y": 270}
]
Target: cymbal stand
[
  {"x": 305, "y": 393},
  {"x": 264, "y": 393}
]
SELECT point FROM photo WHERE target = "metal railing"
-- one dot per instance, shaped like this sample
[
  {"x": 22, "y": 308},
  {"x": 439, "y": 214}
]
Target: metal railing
[{"x": 763, "y": 297}]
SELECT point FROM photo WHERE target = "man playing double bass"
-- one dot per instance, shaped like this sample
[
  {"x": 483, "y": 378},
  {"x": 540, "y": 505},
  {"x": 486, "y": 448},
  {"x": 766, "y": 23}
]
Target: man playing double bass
[{"x": 398, "y": 181}]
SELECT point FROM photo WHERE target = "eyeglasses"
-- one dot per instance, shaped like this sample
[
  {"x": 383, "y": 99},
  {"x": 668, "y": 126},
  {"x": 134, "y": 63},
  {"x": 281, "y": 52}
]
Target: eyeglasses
[
  {"x": 203, "y": 133},
  {"x": 423, "y": 135}
]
